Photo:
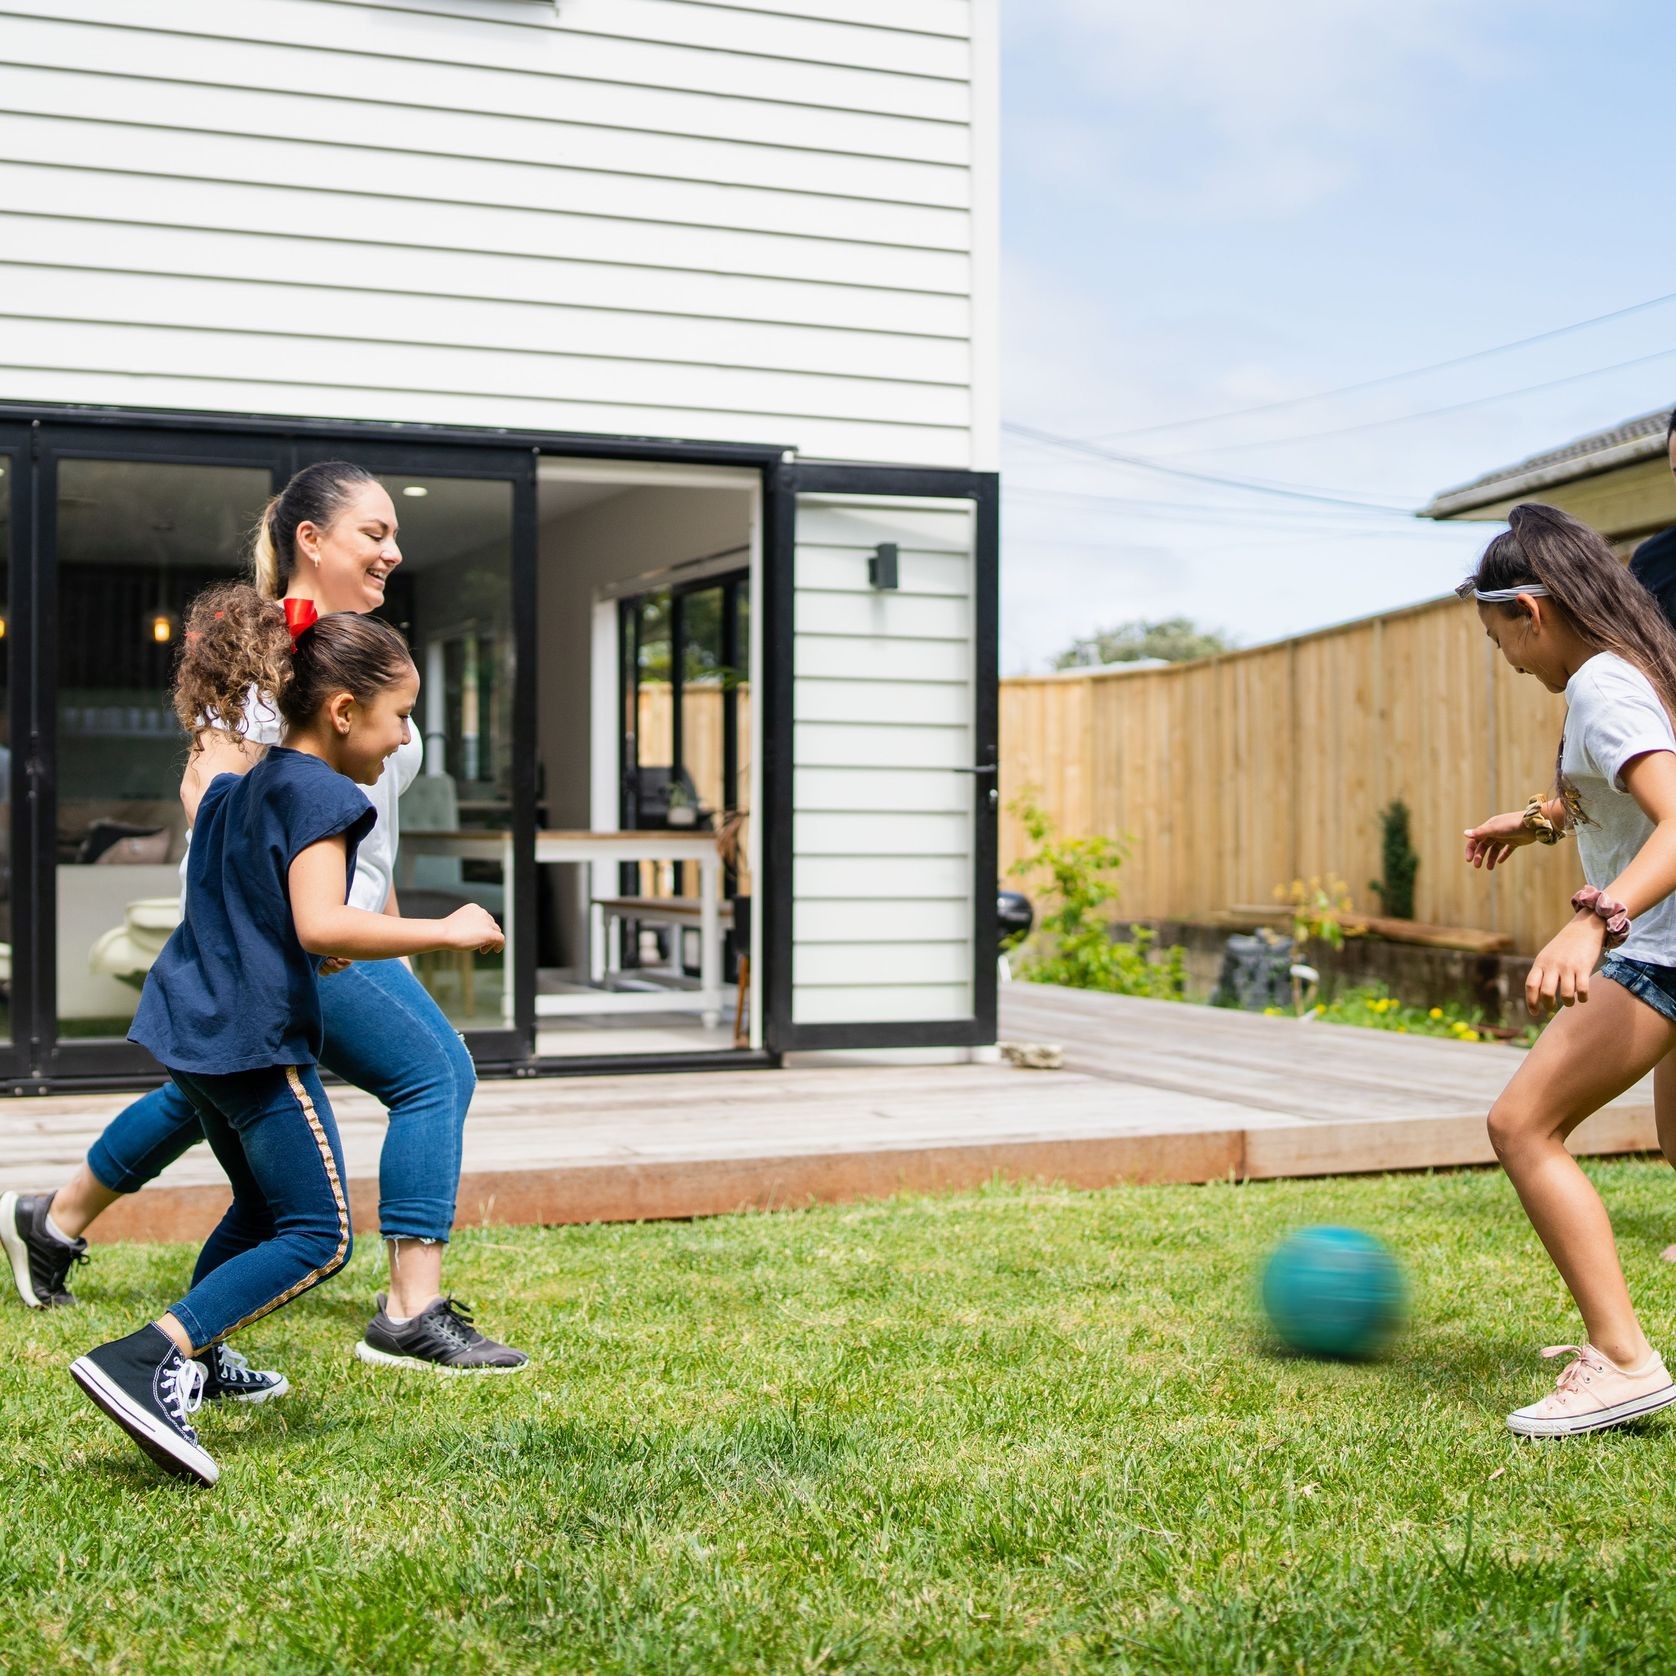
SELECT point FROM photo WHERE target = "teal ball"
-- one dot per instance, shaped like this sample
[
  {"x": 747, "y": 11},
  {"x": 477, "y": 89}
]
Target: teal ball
[{"x": 1334, "y": 1292}]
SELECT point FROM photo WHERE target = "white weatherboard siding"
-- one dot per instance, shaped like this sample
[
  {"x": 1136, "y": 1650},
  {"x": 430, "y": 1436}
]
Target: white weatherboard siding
[
  {"x": 882, "y": 701},
  {"x": 741, "y": 221}
]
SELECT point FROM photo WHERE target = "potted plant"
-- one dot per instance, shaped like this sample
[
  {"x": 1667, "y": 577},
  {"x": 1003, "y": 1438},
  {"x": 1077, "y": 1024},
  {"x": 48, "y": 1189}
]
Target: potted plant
[{"x": 682, "y": 811}]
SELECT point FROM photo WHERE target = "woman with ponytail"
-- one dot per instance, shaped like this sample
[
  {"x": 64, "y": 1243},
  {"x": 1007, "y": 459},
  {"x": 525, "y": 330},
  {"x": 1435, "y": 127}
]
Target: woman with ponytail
[
  {"x": 1559, "y": 606},
  {"x": 326, "y": 543}
]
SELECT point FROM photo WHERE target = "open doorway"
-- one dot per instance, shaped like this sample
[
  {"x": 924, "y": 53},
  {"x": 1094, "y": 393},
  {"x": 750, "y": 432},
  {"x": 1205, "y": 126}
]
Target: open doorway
[{"x": 647, "y": 759}]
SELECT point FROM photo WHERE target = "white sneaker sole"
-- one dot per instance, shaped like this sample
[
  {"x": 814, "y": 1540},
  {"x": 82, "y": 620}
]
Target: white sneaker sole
[
  {"x": 374, "y": 1357},
  {"x": 266, "y": 1395},
  {"x": 1574, "y": 1425},
  {"x": 17, "y": 1253},
  {"x": 169, "y": 1450}
]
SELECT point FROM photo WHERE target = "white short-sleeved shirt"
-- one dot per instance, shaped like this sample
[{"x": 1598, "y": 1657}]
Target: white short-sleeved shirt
[
  {"x": 375, "y": 860},
  {"x": 1613, "y": 715}
]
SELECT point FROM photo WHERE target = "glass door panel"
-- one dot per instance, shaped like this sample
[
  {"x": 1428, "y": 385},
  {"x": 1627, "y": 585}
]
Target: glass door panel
[
  {"x": 465, "y": 526},
  {"x": 136, "y": 540},
  {"x": 453, "y": 600},
  {"x": 13, "y": 970}
]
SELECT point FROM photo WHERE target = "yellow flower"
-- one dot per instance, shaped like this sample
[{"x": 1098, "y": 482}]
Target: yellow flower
[
  {"x": 1471, "y": 1036},
  {"x": 1402, "y": 1029},
  {"x": 1436, "y": 1012}
]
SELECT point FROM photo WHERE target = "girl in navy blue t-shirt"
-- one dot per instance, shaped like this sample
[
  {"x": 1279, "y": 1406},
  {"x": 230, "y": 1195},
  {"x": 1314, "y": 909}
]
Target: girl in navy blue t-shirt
[{"x": 231, "y": 1008}]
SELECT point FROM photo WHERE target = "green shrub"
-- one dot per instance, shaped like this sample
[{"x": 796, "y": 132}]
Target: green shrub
[
  {"x": 1400, "y": 862},
  {"x": 1076, "y": 943}
]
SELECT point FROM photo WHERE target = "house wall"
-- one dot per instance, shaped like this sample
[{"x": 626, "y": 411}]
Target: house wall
[{"x": 751, "y": 221}]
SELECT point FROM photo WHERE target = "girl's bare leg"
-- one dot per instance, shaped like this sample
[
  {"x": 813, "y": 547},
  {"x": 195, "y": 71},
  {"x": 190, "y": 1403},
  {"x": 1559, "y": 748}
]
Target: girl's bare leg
[
  {"x": 1664, "y": 1114},
  {"x": 1664, "y": 1107},
  {"x": 1587, "y": 1056},
  {"x": 82, "y": 1198}
]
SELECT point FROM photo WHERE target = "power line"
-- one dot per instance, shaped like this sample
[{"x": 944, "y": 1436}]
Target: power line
[
  {"x": 1426, "y": 413},
  {"x": 1140, "y": 462},
  {"x": 1386, "y": 378},
  {"x": 1304, "y": 515}
]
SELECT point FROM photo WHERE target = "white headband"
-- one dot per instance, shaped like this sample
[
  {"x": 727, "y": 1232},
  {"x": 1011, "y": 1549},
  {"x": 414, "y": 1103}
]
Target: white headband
[{"x": 1501, "y": 596}]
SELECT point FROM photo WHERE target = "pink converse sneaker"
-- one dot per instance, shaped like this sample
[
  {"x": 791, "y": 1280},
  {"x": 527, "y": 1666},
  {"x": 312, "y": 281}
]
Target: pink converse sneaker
[{"x": 1593, "y": 1392}]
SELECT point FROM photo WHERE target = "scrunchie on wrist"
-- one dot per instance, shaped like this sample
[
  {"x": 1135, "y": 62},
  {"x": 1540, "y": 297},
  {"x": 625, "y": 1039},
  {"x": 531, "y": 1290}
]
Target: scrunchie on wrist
[{"x": 1614, "y": 914}]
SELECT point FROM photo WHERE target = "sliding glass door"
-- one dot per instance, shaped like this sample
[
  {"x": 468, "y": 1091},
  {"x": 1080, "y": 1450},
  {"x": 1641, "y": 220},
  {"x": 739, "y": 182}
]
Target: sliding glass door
[
  {"x": 125, "y": 526},
  {"x": 17, "y": 936},
  {"x": 135, "y": 526}
]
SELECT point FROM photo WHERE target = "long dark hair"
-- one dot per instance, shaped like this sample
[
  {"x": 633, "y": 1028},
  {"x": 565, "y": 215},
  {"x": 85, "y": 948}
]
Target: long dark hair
[
  {"x": 1607, "y": 606},
  {"x": 236, "y": 640},
  {"x": 316, "y": 495}
]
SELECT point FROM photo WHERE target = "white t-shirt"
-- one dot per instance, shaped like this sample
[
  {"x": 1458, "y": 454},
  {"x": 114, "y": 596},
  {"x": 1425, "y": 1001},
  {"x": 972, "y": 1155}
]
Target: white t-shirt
[
  {"x": 375, "y": 860},
  {"x": 1613, "y": 715}
]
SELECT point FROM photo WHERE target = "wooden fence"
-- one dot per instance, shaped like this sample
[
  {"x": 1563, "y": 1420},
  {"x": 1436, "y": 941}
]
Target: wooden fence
[{"x": 1236, "y": 774}]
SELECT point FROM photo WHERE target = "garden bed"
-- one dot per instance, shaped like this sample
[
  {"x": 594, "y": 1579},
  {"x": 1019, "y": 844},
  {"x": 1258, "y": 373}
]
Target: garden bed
[{"x": 1490, "y": 984}]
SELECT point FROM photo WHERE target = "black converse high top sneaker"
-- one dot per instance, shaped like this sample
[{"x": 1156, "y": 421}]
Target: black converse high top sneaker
[
  {"x": 228, "y": 1377},
  {"x": 148, "y": 1388}
]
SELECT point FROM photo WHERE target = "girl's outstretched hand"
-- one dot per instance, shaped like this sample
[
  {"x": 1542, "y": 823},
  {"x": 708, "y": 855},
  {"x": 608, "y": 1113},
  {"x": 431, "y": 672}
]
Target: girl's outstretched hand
[
  {"x": 1561, "y": 973},
  {"x": 1491, "y": 843},
  {"x": 473, "y": 928}
]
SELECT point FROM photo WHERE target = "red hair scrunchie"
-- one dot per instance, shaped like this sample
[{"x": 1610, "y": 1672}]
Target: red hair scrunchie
[{"x": 300, "y": 616}]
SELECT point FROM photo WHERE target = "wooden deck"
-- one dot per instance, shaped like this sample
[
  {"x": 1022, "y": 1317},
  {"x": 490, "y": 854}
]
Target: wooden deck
[{"x": 1150, "y": 1091}]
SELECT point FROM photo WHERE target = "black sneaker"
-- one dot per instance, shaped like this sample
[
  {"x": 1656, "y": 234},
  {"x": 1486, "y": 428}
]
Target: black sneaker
[
  {"x": 40, "y": 1260},
  {"x": 144, "y": 1384},
  {"x": 442, "y": 1337},
  {"x": 228, "y": 1377}
]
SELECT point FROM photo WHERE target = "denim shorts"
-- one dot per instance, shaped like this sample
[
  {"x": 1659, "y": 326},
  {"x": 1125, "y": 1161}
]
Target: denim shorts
[{"x": 1656, "y": 985}]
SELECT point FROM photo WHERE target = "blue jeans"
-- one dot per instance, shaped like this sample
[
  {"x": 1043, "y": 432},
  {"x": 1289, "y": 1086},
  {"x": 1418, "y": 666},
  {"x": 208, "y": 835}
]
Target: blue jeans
[
  {"x": 384, "y": 1034},
  {"x": 287, "y": 1228},
  {"x": 1655, "y": 985}
]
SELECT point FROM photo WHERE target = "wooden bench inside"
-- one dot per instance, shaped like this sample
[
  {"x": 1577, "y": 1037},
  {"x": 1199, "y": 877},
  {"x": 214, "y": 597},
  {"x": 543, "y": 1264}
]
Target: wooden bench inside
[{"x": 670, "y": 910}]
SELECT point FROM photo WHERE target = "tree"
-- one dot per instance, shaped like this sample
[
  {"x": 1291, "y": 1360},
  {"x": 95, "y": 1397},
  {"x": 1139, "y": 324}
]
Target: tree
[{"x": 1173, "y": 639}]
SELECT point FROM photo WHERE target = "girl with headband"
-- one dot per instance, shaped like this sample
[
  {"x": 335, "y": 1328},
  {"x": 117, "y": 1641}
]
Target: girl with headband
[
  {"x": 327, "y": 543},
  {"x": 1561, "y": 608},
  {"x": 231, "y": 1008}
]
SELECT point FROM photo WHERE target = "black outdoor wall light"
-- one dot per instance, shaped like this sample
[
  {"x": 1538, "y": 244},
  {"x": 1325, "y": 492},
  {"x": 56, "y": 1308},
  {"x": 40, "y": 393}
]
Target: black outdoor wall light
[{"x": 881, "y": 568}]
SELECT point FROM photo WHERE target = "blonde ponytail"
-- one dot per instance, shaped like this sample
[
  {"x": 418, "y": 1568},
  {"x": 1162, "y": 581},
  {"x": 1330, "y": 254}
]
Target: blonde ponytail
[{"x": 263, "y": 557}]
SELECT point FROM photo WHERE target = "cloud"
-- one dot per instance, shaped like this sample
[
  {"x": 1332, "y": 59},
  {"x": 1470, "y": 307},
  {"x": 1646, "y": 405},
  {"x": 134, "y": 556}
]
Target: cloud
[{"x": 1214, "y": 108}]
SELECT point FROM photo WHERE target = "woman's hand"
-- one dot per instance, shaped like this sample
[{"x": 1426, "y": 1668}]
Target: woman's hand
[
  {"x": 473, "y": 928},
  {"x": 1490, "y": 844},
  {"x": 332, "y": 964},
  {"x": 1561, "y": 973}
]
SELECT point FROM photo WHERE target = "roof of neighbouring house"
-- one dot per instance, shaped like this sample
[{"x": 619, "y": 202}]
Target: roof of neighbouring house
[{"x": 1637, "y": 439}]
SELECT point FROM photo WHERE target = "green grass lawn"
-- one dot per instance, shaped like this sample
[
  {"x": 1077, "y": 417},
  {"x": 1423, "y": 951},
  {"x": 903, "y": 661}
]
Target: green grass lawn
[{"x": 1021, "y": 1430}]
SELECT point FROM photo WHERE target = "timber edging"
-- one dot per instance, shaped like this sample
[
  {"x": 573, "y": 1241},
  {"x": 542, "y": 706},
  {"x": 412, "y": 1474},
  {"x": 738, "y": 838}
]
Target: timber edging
[{"x": 680, "y": 1188}]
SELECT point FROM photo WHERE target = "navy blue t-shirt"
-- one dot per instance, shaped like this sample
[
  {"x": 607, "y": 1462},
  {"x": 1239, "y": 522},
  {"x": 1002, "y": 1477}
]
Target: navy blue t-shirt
[{"x": 233, "y": 989}]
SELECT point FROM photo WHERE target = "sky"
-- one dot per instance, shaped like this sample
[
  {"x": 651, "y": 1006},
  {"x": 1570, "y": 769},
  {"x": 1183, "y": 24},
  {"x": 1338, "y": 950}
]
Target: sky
[{"x": 1209, "y": 204}]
